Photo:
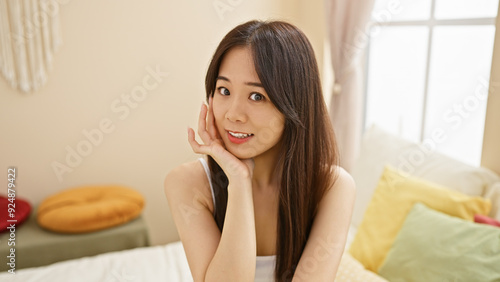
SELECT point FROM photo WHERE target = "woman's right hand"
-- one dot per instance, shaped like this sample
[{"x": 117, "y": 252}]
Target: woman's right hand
[{"x": 234, "y": 168}]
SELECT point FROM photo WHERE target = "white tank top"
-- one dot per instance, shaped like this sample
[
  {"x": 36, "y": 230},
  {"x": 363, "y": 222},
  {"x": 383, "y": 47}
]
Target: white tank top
[{"x": 264, "y": 269}]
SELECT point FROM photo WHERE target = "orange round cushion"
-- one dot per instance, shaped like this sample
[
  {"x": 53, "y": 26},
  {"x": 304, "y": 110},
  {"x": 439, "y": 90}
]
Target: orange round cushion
[{"x": 86, "y": 209}]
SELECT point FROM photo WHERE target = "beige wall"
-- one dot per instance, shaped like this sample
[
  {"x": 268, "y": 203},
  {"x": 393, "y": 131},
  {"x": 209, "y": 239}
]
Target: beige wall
[
  {"x": 107, "y": 50},
  {"x": 491, "y": 142}
]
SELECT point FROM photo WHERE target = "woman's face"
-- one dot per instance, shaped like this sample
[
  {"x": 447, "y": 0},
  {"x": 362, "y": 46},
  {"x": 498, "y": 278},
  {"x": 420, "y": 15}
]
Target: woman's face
[{"x": 247, "y": 120}]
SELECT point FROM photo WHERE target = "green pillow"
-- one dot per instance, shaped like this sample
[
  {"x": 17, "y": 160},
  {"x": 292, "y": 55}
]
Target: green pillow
[{"x": 433, "y": 246}]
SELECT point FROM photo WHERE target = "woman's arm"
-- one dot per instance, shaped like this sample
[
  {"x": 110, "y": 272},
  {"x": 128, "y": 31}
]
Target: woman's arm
[
  {"x": 213, "y": 256},
  {"x": 194, "y": 220},
  {"x": 234, "y": 258},
  {"x": 326, "y": 242}
]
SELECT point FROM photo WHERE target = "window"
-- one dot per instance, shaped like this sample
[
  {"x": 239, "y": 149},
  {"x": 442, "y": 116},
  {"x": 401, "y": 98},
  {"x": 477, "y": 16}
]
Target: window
[{"x": 428, "y": 68}]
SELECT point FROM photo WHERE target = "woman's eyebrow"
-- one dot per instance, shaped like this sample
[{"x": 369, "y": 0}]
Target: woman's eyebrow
[{"x": 257, "y": 84}]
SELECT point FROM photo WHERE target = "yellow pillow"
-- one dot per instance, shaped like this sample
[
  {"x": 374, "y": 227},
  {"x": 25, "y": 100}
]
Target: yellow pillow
[
  {"x": 393, "y": 199},
  {"x": 86, "y": 209}
]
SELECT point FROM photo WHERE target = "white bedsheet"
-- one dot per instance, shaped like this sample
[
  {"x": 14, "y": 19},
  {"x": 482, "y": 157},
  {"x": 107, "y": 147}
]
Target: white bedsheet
[{"x": 157, "y": 263}]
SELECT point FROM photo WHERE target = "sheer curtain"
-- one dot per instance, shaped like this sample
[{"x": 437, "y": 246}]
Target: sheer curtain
[
  {"x": 348, "y": 31},
  {"x": 29, "y": 36}
]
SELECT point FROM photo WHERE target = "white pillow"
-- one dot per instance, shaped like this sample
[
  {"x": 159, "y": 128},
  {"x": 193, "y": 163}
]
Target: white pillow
[{"x": 379, "y": 148}]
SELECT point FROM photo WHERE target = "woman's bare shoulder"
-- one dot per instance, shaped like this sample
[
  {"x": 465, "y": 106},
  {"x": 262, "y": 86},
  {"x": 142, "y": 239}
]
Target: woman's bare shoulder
[
  {"x": 343, "y": 179},
  {"x": 189, "y": 179},
  {"x": 192, "y": 170}
]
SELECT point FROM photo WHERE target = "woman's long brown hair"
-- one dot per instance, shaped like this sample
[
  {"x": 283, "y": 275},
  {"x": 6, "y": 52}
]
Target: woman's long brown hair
[{"x": 286, "y": 66}]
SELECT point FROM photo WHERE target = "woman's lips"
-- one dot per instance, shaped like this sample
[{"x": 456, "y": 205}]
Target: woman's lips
[{"x": 237, "y": 140}]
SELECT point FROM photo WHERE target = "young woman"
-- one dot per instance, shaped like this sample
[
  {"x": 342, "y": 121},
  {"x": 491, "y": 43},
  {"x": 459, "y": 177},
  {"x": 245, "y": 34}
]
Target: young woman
[{"x": 268, "y": 203}]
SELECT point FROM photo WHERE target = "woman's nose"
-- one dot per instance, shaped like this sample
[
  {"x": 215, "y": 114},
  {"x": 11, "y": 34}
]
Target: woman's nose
[{"x": 236, "y": 111}]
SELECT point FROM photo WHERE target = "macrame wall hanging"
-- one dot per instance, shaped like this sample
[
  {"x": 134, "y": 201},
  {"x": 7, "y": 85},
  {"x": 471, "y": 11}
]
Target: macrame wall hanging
[{"x": 29, "y": 36}]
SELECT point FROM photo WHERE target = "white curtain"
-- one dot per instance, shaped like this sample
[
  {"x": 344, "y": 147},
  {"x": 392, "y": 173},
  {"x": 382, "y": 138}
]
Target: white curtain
[
  {"x": 348, "y": 32},
  {"x": 29, "y": 36}
]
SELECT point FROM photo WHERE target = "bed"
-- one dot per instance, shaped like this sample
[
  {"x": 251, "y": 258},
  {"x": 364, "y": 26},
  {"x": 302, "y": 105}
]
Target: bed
[{"x": 157, "y": 263}]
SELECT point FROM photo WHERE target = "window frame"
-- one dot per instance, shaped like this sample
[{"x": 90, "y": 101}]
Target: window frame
[{"x": 431, "y": 23}]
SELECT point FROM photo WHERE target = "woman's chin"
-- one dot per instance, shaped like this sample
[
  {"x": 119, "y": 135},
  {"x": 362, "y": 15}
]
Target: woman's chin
[{"x": 242, "y": 153}]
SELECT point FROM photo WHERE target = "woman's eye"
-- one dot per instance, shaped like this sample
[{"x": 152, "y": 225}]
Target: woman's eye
[
  {"x": 257, "y": 97},
  {"x": 223, "y": 90}
]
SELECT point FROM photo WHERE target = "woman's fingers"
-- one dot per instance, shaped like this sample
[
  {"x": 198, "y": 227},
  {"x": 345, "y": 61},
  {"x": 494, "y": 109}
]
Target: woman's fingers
[
  {"x": 211, "y": 120},
  {"x": 214, "y": 149},
  {"x": 204, "y": 134},
  {"x": 197, "y": 148},
  {"x": 231, "y": 165},
  {"x": 192, "y": 141},
  {"x": 202, "y": 125}
]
